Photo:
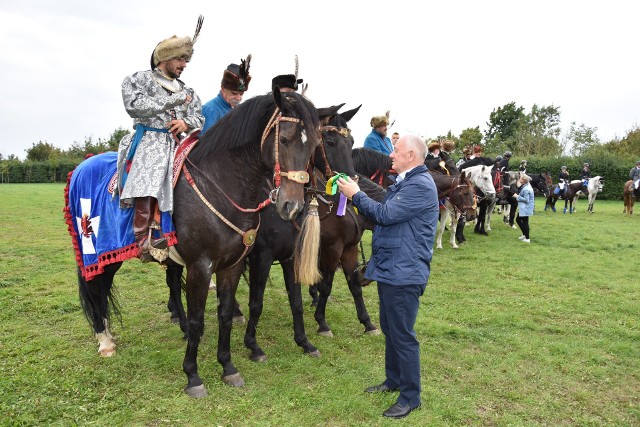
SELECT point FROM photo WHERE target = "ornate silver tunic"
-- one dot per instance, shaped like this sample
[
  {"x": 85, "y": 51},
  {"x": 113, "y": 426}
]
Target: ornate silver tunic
[{"x": 153, "y": 100}]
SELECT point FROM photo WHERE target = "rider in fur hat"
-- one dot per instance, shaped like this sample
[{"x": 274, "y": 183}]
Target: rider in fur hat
[
  {"x": 163, "y": 108},
  {"x": 235, "y": 81}
]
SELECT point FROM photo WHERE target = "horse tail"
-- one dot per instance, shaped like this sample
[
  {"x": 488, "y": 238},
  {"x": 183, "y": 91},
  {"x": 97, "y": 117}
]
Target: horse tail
[
  {"x": 97, "y": 299},
  {"x": 307, "y": 248}
]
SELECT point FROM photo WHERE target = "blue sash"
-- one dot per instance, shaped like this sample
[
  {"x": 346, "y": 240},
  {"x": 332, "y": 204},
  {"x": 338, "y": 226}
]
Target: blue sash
[{"x": 140, "y": 130}]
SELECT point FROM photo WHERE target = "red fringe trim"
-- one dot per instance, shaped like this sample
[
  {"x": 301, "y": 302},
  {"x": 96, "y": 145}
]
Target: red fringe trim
[{"x": 107, "y": 258}]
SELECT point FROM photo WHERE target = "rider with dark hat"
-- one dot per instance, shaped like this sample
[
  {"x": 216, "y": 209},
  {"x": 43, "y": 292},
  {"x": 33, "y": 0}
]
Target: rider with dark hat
[{"x": 563, "y": 180}]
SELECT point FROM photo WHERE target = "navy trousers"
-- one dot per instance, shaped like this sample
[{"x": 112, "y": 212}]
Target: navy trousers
[{"x": 398, "y": 312}]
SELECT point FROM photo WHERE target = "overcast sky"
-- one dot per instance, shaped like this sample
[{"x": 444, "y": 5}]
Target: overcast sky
[{"x": 438, "y": 66}]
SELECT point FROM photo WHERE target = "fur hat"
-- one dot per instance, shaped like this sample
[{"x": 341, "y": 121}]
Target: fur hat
[
  {"x": 477, "y": 149},
  {"x": 433, "y": 145},
  {"x": 285, "y": 80},
  {"x": 448, "y": 145},
  {"x": 378, "y": 121},
  {"x": 175, "y": 47},
  {"x": 236, "y": 77}
]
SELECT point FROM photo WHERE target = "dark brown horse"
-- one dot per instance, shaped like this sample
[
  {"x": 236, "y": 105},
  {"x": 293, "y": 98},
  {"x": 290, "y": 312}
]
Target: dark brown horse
[
  {"x": 457, "y": 199},
  {"x": 216, "y": 213},
  {"x": 339, "y": 236},
  {"x": 570, "y": 195}
]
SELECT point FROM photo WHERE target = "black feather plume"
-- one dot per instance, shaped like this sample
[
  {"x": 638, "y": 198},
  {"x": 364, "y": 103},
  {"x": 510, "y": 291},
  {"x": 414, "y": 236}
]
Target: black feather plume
[{"x": 198, "y": 28}]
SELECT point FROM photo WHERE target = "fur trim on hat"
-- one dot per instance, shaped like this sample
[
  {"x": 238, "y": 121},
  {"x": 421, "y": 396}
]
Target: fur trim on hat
[
  {"x": 236, "y": 77},
  {"x": 433, "y": 145},
  {"x": 448, "y": 145},
  {"x": 176, "y": 47},
  {"x": 378, "y": 121},
  {"x": 173, "y": 47}
]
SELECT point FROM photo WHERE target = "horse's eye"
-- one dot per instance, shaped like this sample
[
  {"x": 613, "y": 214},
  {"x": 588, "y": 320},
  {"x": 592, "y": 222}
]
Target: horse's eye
[{"x": 284, "y": 141}]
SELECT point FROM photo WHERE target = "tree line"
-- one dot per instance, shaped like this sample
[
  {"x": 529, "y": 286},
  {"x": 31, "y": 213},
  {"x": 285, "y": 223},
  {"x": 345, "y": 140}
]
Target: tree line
[{"x": 535, "y": 135}]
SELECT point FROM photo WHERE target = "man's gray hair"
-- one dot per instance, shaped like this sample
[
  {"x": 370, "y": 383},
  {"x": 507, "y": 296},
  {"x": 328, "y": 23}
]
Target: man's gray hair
[{"x": 418, "y": 145}]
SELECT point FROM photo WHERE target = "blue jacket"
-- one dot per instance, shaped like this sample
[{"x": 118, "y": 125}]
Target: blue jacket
[
  {"x": 405, "y": 229},
  {"x": 526, "y": 201},
  {"x": 213, "y": 111},
  {"x": 377, "y": 142}
]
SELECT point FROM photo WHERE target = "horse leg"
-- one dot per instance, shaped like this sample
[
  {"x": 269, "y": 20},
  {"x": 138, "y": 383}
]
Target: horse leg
[
  {"x": 479, "y": 228},
  {"x": 294, "y": 291},
  {"x": 259, "y": 267},
  {"x": 441, "y": 226},
  {"x": 313, "y": 292},
  {"x": 349, "y": 262},
  {"x": 460, "y": 230},
  {"x": 324, "y": 291},
  {"x": 227, "y": 286},
  {"x": 488, "y": 216},
  {"x": 454, "y": 229},
  {"x": 96, "y": 300},
  {"x": 175, "y": 306},
  {"x": 198, "y": 278}
]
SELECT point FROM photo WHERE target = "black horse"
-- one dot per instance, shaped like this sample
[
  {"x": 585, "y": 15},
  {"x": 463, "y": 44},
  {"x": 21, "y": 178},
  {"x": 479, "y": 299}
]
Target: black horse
[
  {"x": 569, "y": 195},
  {"x": 216, "y": 214},
  {"x": 339, "y": 237}
]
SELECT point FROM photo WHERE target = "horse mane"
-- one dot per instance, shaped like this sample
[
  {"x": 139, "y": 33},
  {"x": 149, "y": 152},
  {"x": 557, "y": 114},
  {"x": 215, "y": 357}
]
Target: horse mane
[
  {"x": 242, "y": 127},
  {"x": 485, "y": 161},
  {"x": 368, "y": 162},
  {"x": 370, "y": 188}
]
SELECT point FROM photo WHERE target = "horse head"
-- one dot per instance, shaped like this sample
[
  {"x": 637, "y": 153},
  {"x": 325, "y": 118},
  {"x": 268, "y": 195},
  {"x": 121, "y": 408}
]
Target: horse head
[
  {"x": 480, "y": 176},
  {"x": 287, "y": 145},
  {"x": 334, "y": 153},
  {"x": 463, "y": 197},
  {"x": 541, "y": 184},
  {"x": 373, "y": 164}
]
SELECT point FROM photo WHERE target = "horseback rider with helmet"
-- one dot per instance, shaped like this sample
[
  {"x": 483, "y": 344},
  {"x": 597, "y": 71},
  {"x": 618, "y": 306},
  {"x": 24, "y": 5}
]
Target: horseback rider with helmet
[
  {"x": 563, "y": 180},
  {"x": 585, "y": 174},
  {"x": 634, "y": 175}
]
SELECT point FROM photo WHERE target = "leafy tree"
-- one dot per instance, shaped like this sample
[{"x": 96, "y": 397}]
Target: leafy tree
[
  {"x": 115, "y": 137},
  {"x": 41, "y": 151},
  {"x": 582, "y": 138},
  {"x": 627, "y": 146},
  {"x": 470, "y": 136},
  {"x": 504, "y": 121}
]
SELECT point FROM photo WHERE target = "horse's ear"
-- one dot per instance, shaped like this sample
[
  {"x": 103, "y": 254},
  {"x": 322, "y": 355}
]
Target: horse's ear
[
  {"x": 329, "y": 112},
  {"x": 348, "y": 115},
  {"x": 277, "y": 97}
]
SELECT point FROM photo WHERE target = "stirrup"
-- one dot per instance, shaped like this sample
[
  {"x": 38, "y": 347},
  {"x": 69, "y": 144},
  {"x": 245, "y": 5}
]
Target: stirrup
[{"x": 160, "y": 243}]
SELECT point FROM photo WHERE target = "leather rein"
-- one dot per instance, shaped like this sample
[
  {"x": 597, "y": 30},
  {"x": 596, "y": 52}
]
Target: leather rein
[{"x": 302, "y": 177}]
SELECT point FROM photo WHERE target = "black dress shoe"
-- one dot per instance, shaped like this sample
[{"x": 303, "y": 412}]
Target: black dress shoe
[
  {"x": 380, "y": 388},
  {"x": 399, "y": 411}
]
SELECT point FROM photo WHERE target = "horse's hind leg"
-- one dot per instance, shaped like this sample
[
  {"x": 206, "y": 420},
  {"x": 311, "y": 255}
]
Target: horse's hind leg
[
  {"x": 173, "y": 278},
  {"x": 460, "y": 230},
  {"x": 313, "y": 293},
  {"x": 95, "y": 297},
  {"x": 349, "y": 262},
  {"x": 324, "y": 290}
]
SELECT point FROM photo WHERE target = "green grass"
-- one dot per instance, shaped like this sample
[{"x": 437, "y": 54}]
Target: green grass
[{"x": 512, "y": 335}]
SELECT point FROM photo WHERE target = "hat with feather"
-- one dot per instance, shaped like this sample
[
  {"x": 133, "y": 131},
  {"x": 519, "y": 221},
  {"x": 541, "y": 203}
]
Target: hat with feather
[
  {"x": 175, "y": 47},
  {"x": 236, "y": 77},
  {"x": 290, "y": 81},
  {"x": 377, "y": 121}
]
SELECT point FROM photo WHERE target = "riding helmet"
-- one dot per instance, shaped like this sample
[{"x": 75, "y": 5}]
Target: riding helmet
[
  {"x": 507, "y": 154},
  {"x": 563, "y": 168}
]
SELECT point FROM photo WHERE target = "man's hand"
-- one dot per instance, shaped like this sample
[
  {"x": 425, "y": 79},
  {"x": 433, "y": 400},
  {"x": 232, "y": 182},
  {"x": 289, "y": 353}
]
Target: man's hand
[
  {"x": 177, "y": 126},
  {"x": 348, "y": 187}
]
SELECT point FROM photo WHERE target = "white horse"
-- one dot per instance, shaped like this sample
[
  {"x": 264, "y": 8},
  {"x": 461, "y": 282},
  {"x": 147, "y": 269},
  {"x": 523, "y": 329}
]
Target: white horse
[
  {"x": 480, "y": 176},
  {"x": 595, "y": 186}
]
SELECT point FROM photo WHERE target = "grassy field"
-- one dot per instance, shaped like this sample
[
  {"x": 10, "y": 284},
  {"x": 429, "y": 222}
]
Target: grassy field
[{"x": 512, "y": 334}]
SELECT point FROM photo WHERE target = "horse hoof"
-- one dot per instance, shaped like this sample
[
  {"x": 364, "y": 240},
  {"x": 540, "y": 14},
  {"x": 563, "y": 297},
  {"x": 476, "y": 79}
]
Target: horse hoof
[
  {"x": 197, "y": 392},
  {"x": 238, "y": 320},
  {"x": 373, "y": 332},
  {"x": 175, "y": 319},
  {"x": 107, "y": 352},
  {"x": 315, "y": 353},
  {"x": 326, "y": 333},
  {"x": 234, "y": 380},
  {"x": 258, "y": 358}
]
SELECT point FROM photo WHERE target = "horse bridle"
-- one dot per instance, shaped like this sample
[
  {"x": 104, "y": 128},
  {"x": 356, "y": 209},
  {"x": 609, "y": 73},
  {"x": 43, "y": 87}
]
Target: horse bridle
[
  {"x": 249, "y": 236},
  {"x": 457, "y": 186}
]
